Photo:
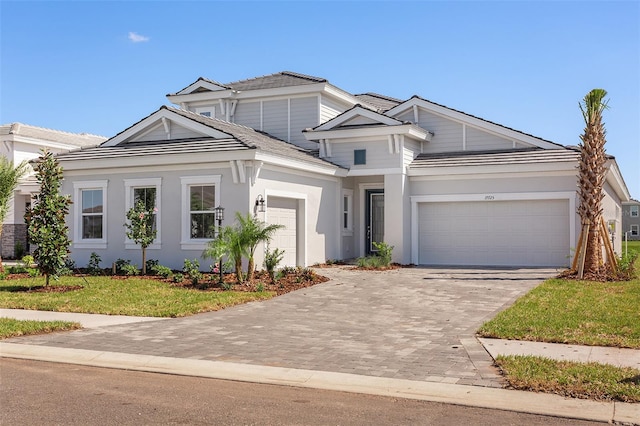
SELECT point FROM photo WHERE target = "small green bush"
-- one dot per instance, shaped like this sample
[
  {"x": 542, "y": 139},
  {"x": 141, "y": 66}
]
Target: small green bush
[
  {"x": 192, "y": 268},
  {"x": 3, "y": 275},
  {"x": 120, "y": 265},
  {"x": 151, "y": 263},
  {"x": 178, "y": 278},
  {"x": 271, "y": 261},
  {"x": 93, "y": 268},
  {"x": 162, "y": 271},
  {"x": 384, "y": 252},
  {"x": 260, "y": 287},
  {"x": 33, "y": 272},
  {"x": 18, "y": 250},
  {"x": 626, "y": 263},
  {"x": 130, "y": 270}
]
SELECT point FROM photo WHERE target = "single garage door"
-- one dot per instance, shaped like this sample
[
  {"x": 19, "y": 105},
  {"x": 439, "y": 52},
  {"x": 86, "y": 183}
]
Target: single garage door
[
  {"x": 494, "y": 233},
  {"x": 283, "y": 211}
]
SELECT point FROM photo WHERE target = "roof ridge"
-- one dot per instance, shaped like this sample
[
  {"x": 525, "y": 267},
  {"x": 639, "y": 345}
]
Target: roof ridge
[
  {"x": 289, "y": 73},
  {"x": 378, "y": 95},
  {"x": 16, "y": 125}
]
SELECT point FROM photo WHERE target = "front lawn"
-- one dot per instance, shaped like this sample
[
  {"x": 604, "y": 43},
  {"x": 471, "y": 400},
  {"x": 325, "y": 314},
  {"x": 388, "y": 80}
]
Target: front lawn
[
  {"x": 112, "y": 296},
  {"x": 571, "y": 379},
  {"x": 576, "y": 312},
  {"x": 10, "y": 327}
]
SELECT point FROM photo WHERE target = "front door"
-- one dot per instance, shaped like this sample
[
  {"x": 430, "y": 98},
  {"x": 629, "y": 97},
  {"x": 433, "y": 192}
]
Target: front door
[{"x": 374, "y": 212}]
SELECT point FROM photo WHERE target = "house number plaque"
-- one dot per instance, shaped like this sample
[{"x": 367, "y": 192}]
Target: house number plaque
[{"x": 489, "y": 197}]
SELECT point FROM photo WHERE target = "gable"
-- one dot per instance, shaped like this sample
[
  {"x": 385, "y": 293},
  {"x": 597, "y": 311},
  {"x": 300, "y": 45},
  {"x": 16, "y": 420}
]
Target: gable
[
  {"x": 358, "y": 115},
  {"x": 202, "y": 85},
  {"x": 165, "y": 124},
  {"x": 415, "y": 109}
]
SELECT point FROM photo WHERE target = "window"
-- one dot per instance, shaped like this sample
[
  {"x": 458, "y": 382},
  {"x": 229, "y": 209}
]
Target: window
[
  {"x": 90, "y": 211},
  {"x": 148, "y": 191},
  {"x": 347, "y": 212},
  {"x": 633, "y": 211},
  {"x": 200, "y": 196},
  {"x": 202, "y": 217},
  {"x": 635, "y": 231},
  {"x": 206, "y": 112},
  {"x": 359, "y": 156}
]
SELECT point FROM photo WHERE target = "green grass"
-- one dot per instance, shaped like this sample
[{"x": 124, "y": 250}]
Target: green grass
[
  {"x": 10, "y": 327},
  {"x": 132, "y": 296},
  {"x": 571, "y": 379},
  {"x": 577, "y": 312}
]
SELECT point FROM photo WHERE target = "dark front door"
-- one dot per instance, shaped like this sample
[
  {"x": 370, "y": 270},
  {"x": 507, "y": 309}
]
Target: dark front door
[{"x": 374, "y": 211}]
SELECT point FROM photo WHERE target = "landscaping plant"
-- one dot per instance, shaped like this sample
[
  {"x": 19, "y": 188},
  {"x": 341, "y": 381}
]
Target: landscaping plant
[
  {"x": 46, "y": 218},
  {"x": 140, "y": 227},
  {"x": 254, "y": 232},
  {"x": 9, "y": 177},
  {"x": 272, "y": 259}
]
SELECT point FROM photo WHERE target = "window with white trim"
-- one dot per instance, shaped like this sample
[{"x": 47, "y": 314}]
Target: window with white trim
[
  {"x": 633, "y": 211},
  {"x": 149, "y": 191},
  {"x": 635, "y": 230},
  {"x": 347, "y": 211},
  {"x": 207, "y": 112},
  {"x": 90, "y": 213},
  {"x": 200, "y": 197}
]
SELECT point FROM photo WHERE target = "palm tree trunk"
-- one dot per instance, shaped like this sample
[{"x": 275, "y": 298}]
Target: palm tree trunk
[
  {"x": 238, "y": 262},
  {"x": 250, "y": 268}
]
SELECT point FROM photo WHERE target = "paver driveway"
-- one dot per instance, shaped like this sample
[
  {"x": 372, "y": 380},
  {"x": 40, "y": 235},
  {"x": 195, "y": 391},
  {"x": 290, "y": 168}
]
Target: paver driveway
[{"x": 411, "y": 323}]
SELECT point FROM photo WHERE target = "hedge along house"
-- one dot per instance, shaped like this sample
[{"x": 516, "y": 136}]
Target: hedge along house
[
  {"x": 340, "y": 171},
  {"x": 22, "y": 142}
]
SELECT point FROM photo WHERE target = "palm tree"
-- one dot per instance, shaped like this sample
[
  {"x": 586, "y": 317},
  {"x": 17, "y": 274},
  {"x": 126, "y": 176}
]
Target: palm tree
[
  {"x": 254, "y": 232},
  {"x": 592, "y": 173},
  {"x": 9, "y": 177}
]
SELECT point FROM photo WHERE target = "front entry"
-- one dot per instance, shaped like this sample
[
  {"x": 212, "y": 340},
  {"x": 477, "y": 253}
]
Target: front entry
[{"x": 374, "y": 217}]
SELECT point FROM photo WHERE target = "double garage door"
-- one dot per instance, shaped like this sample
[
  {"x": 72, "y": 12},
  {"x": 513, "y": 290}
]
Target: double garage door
[{"x": 494, "y": 233}]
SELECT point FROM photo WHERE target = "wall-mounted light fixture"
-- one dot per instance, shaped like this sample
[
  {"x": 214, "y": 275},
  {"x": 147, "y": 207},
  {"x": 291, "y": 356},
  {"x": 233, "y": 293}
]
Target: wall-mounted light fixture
[{"x": 260, "y": 204}]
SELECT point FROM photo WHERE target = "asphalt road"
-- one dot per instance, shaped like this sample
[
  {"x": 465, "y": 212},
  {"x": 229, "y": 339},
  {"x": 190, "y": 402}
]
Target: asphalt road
[{"x": 33, "y": 392}]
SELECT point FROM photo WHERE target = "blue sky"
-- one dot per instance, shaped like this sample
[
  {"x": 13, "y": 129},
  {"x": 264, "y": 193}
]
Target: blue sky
[{"x": 99, "y": 67}]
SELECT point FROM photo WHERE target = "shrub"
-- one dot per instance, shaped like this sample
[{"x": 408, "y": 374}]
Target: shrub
[
  {"x": 120, "y": 265},
  {"x": 384, "y": 252},
  {"x": 3, "y": 275},
  {"x": 226, "y": 286},
  {"x": 160, "y": 270},
  {"x": 260, "y": 287},
  {"x": 27, "y": 261},
  {"x": 93, "y": 268},
  {"x": 33, "y": 272},
  {"x": 192, "y": 268},
  {"x": 271, "y": 261},
  {"x": 626, "y": 263},
  {"x": 130, "y": 270},
  {"x": 178, "y": 278},
  {"x": 17, "y": 269},
  {"x": 152, "y": 263}
]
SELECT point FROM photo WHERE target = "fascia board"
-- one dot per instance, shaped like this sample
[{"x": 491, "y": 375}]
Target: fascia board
[
  {"x": 131, "y": 163},
  {"x": 615, "y": 179},
  {"x": 46, "y": 143},
  {"x": 405, "y": 129},
  {"x": 300, "y": 165},
  {"x": 358, "y": 112},
  {"x": 339, "y": 94},
  {"x": 248, "y": 94},
  {"x": 157, "y": 116},
  {"x": 472, "y": 121},
  {"x": 497, "y": 169},
  {"x": 201, "y": 83}
]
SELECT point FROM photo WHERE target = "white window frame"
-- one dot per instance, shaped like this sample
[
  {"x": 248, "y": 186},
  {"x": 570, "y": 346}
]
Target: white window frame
[
  {"x": 636, "y": 229},
  {"x": 348, "y": 195},
  {"x": 210, "y": 110},
  {"x": 78, "y": 241},
  {"x": 186, "y": 242},
  {"x": 129, "y": 186},
  {"x": 633, "y": 211}
]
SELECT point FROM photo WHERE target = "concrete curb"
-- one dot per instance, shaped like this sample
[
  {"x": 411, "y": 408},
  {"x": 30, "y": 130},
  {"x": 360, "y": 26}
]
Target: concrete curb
[{"x": 474, "y": 396}]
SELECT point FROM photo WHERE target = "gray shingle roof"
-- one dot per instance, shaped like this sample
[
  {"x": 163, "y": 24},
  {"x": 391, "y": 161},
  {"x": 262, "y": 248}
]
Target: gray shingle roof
[
  {"x": 241, "y": 138},
  {"x": 486, "y": 158},
  {"x": 281, "y": 79},
  {"x": 75, "y": 139},
  {"x": 380, "y": 102}
]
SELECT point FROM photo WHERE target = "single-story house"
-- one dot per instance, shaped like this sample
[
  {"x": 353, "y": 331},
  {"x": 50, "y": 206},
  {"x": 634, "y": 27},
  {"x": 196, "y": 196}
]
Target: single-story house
[
  {"x": 631, "y": 220},
  {"x": 340, "y": 171},
  {"x": 20, "y": 142}
]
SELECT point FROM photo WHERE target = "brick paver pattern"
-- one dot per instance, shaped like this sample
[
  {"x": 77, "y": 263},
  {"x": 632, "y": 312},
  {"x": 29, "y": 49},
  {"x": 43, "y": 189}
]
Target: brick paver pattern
[{"x": 410, "y": 323}]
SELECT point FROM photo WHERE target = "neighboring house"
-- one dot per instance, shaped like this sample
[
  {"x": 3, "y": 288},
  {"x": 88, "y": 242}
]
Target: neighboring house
[
  {"x": 631, "y": 219},
  {"x": 20, "y": 142},
  {"x": 340, "y": 171}
]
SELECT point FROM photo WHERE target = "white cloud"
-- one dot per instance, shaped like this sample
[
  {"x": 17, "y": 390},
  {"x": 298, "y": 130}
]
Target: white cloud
[{"x": 137, "y": 38}]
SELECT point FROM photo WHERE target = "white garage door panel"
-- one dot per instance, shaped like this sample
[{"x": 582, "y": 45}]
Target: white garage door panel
[
  {"x": 283, "y": 211},
  {"x": 501, "y": 233}
]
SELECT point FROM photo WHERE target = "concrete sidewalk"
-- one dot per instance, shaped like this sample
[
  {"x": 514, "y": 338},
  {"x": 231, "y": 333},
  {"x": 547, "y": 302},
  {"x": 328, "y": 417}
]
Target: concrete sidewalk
[{"x": 86, "y": 320}]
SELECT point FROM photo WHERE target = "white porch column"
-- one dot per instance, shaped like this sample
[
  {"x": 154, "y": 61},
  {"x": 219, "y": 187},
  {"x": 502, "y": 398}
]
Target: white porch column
[{"x": 397, "y": 216}]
